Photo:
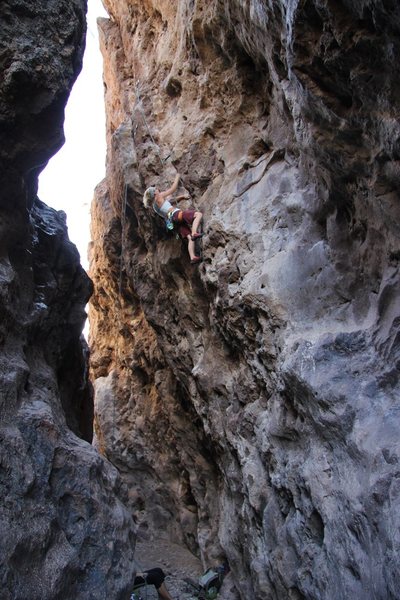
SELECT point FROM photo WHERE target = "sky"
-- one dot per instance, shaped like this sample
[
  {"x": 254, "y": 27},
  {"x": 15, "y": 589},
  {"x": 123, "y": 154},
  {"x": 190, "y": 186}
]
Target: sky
[{"x": 68, "y": 181}]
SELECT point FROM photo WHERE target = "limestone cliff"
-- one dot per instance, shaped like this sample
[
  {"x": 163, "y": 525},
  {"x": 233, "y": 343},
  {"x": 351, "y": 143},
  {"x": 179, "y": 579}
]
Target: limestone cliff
[
  {"x": 251, "y": 403},
  {"x": 63, "y": 529}
]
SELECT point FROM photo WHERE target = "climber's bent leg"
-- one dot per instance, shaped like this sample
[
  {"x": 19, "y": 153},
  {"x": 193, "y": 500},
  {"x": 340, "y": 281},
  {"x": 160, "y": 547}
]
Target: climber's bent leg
[{"x": 196, "y": 221}]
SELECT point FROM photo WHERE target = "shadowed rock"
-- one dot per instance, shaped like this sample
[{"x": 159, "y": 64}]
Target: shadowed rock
[{"x": 63, "y": 528}]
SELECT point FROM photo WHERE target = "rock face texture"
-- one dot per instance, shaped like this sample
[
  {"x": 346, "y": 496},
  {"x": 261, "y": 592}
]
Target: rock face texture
[
  {"x": 64, "y": 533},
  {"x": 252, "y": 403}
]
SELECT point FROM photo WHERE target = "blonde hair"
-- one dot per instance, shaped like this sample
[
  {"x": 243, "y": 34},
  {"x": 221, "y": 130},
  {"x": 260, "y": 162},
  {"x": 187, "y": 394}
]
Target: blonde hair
[{"x": 148, "y": 196}]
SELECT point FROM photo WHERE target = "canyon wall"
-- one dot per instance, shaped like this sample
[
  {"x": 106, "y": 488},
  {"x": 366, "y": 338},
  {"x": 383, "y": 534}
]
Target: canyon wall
[
  {"x": 64, "y": 531},
  {"x": 252, "y": 403}
]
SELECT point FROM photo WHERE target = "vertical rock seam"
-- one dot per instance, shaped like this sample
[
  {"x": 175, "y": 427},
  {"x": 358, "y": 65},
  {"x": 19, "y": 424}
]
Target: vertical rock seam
[
  {"x": 63, "y": 528},
  {"x": 251, "y": 402}
]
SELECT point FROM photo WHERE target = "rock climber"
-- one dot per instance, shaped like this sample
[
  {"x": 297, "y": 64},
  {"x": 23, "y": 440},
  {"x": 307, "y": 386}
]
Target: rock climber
[
  {"x": 186, "y": 221},
  {"x": 154, "y": 577}
]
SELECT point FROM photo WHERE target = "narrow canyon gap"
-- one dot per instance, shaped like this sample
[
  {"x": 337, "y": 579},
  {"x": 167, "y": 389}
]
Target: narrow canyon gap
[{"x": 251, "y": 404}]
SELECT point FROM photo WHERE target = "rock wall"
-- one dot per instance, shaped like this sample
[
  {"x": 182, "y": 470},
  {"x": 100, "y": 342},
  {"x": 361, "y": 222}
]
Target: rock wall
[
  {"x": 251, "y": 403},
  {"x": 63, "y": 529}
]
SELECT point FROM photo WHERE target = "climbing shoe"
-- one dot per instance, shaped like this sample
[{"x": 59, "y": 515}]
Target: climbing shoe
[{"x": 195, "y": 260}]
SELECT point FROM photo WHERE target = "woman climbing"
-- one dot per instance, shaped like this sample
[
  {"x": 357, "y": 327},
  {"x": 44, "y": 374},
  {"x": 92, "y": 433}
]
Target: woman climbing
[{"x": 186, "y": 221}]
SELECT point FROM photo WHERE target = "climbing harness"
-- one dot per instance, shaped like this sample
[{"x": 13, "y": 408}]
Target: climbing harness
[
  {"x": 169, "y": 223},
  {"x": 169, "y": 220}
]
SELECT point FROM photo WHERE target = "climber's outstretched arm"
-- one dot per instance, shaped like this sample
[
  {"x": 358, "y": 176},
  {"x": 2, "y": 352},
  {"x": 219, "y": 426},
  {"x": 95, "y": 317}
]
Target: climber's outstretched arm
[{"x": 173, "y": 187}]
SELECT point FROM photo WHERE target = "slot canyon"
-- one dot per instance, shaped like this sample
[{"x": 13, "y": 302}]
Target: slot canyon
[{"x": 245, "y": 408}]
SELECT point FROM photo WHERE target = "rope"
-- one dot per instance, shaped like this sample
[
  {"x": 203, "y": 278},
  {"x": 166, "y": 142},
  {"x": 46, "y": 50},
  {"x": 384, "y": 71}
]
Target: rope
[{"x": 140, "y": 105}]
